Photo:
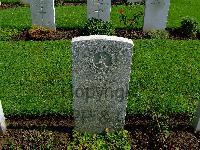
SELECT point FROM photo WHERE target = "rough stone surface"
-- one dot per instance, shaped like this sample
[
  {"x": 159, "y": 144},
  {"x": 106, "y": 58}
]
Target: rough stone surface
[
  {"x": 101, "y": 73},
  {"x": 156, "y": 14},
  {"x": 2, "y": 120},
  {"x": 99, "y": 9},
  {"x": 43, "y": 13}
]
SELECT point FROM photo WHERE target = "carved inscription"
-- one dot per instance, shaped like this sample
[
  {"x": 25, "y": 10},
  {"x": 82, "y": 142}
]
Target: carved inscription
[
  {"x": 84, "y": 114},
  {"x": 104, "y": 116},
  {"x": 158, "y": 3},
  {"x": 99, "y": 93}
]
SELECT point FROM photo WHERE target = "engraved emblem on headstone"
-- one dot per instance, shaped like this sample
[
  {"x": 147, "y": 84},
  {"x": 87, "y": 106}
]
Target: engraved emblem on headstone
[{"x": 102, "y": 60}]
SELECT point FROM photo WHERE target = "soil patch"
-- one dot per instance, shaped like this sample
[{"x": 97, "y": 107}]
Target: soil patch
[
  {"x": 54, "y": 35},
  {"x": 71, "y": 33},
  {"x": 9, "y": 5},
  {"x": 56, "y": 131}
]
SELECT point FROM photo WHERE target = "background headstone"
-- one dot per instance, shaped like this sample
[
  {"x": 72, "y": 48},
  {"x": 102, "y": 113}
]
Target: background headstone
[
  {"x": 101, "y": 73},
  {"x": 2, "y": 120},
  {"x": 156, "y": 14},
  {"x": 99, "y": 9},
  {"x": 43, "y": 13}
]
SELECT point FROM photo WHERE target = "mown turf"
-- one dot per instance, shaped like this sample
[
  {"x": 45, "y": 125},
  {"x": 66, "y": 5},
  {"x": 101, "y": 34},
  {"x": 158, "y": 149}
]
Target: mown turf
[
  {"x": 165, "y": 76},
  {"x": 36, "y": 77},
  {"x": 15, "y": 18},
  {"x": 183, "y": 8}
]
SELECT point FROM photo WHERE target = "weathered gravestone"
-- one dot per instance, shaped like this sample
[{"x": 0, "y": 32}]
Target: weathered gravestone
[
  {"x": 43, "y": 13},
  {"x": 2, "y": 120},
  {"x": 99, "y": 9},
  {"x": 101, "y": 70},
  {"x": 156, "y": 14}
]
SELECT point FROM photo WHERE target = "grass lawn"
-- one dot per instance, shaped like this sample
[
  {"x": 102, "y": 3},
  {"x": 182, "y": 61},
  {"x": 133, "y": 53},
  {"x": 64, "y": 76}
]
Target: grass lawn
[{"x": 36, "y": 76}]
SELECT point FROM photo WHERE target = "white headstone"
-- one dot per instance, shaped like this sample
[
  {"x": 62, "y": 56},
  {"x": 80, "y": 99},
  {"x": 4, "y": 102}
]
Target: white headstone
[
  {"x": 156, "y": 14},
  {"x": 43, "y": 13},
  {"x": 101, "y": 74},
  {"x": 2, "y": 121},
  {"x": 99, "y": 9}
]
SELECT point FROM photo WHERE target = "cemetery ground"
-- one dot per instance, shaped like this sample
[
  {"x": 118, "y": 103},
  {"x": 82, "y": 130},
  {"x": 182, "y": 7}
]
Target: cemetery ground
[{"x": 36, "y": 86}]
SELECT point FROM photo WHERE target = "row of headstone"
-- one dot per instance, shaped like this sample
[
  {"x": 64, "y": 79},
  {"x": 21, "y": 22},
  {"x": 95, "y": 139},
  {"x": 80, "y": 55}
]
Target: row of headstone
[
  {"x": 156, "y": 12},
  {"x": 2, "y": 121}
]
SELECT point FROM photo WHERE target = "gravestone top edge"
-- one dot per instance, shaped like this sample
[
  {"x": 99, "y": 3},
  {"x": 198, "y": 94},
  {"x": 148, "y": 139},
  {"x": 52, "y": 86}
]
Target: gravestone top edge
[{"x": 102, "y": 37}]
